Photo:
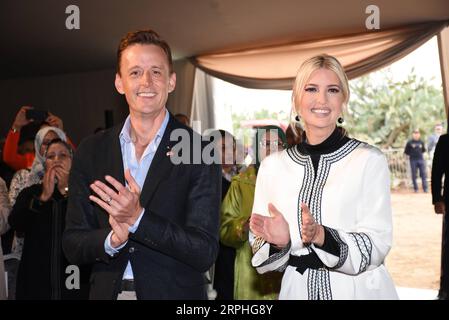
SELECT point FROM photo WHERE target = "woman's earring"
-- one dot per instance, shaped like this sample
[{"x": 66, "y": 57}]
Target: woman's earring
[
  {"x": 297, "y": 118},
  {"x": 340, "y": 120}
]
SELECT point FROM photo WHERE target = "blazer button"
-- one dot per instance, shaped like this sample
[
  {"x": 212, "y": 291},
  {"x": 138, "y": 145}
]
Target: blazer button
[{"x": 131, "y": 250}]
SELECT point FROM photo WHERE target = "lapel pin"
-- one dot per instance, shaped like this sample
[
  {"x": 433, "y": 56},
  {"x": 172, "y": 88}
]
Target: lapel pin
[{"x": 169, "y": 152}]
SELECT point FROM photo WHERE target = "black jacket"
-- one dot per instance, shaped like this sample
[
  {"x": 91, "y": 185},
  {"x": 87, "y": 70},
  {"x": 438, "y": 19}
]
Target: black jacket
[
  {"x": 42, "y": 269},
  {"x": 224, "y": 266},
  {"x": 415, "y": 149},
  {"x": 440, "y": 167},
  {"x": 177, "y": 238}
]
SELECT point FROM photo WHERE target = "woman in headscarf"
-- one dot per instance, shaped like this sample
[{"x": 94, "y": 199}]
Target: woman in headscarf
[
  {"x": 40, "y": 212},
  {"x": 235, "y": 214},
  {"x": 25, "y": 178}
]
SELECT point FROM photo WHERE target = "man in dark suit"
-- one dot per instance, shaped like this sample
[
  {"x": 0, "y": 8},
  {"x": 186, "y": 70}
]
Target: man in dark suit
[
  {"x": 150, "y": 228},
  {"x": 440, "y": 200}
]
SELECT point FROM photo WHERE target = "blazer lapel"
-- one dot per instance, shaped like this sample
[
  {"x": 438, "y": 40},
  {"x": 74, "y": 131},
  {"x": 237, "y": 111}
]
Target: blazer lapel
[
  {"x": 160, "y": 166},
  {"x": 115, "y": 155}
]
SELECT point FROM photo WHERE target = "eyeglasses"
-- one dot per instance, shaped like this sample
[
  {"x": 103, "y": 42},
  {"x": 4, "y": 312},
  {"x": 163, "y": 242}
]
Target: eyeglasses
[
  {"x": 61, "y": 156},
  {"x": 273, "y": 144}
]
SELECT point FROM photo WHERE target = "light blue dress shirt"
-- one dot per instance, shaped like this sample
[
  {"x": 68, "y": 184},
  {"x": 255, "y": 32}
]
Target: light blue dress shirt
[{"x": 139, "y": 170}]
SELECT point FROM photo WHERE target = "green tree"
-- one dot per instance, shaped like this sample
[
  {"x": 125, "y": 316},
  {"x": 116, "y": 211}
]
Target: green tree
[{"x": 384, "y": 112}]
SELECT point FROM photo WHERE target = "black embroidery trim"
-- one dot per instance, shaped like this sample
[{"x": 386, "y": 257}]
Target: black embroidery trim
[
  {"x": 342, "y": 245},
  {"x": 326, "y": 292},
  {"x": 276, "y": 256},
  {"x": 330, "y": 244},
  {"x": 314, "y": 200},
  {"x": 334, "y": 245},
  {"x": 365, "y": 246},
  {"x": 312, "y": 292}
]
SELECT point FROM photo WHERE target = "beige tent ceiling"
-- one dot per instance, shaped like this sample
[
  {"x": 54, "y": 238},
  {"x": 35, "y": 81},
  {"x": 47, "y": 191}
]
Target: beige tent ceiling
[{"x": 35, "y": 41}]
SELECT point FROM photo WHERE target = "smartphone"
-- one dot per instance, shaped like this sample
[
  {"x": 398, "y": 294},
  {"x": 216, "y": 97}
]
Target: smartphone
[{"x": 36, "y": 114}]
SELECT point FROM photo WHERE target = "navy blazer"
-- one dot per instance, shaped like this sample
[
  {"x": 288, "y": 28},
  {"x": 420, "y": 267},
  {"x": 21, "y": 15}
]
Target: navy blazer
[{"x": 177, "y": 238}]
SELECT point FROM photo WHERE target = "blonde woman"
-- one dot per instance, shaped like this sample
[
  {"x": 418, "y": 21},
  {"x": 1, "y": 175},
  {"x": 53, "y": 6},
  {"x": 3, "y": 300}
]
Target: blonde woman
[{"x": 322, "y": 210}]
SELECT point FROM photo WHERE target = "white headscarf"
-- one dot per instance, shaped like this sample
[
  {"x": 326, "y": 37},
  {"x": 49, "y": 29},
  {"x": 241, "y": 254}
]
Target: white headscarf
[{"x": 37, "y": 169}]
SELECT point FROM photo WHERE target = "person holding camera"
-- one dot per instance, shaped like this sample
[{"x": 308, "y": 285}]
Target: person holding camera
[{"x": 26, "y": 115}]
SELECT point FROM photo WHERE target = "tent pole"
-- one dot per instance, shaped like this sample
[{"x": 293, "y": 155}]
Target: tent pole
[{"x": 443, "y": 48}]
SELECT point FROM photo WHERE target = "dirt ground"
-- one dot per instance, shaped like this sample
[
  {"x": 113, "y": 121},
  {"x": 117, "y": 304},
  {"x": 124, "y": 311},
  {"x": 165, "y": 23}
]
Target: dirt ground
[{"x": 414, "y": 260}]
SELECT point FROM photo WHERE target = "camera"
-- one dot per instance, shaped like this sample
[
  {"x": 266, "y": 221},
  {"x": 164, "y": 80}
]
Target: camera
[{"x": 36, "y": 114}]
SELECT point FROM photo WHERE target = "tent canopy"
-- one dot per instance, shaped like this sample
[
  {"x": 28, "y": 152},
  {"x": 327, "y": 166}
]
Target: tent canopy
[
  {"x": 275, "y": 67},
  {"x": 46, "y": 65},
  {"x": 36, "y": 42}
]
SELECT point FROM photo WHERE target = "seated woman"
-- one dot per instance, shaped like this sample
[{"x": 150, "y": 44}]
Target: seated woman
[{"x": 39, "y": 212}]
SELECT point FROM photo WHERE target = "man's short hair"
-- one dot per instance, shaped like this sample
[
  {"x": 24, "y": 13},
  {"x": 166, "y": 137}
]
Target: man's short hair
[{"x": 143, "y": 37}]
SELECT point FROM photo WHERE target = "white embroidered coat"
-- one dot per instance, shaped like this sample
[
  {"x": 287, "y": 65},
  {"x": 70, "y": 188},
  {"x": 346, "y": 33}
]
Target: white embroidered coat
[{"x": 350, "y": 196}]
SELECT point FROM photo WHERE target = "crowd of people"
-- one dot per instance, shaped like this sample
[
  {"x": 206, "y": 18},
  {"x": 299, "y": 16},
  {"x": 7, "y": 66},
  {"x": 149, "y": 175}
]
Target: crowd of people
[{"x": 309, "y": 217}]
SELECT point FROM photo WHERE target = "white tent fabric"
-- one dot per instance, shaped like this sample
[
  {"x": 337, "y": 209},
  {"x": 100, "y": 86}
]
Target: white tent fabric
[
  {"x": 443, "y": 45},
  {"x": 180, "y": 100},
  {"x": 275, "y": 67},
  {"x": 203, "y": 115}
]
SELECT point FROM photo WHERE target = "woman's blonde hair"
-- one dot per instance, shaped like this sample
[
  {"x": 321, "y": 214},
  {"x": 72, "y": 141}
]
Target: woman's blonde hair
[{"x": 322, "y": 61}]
